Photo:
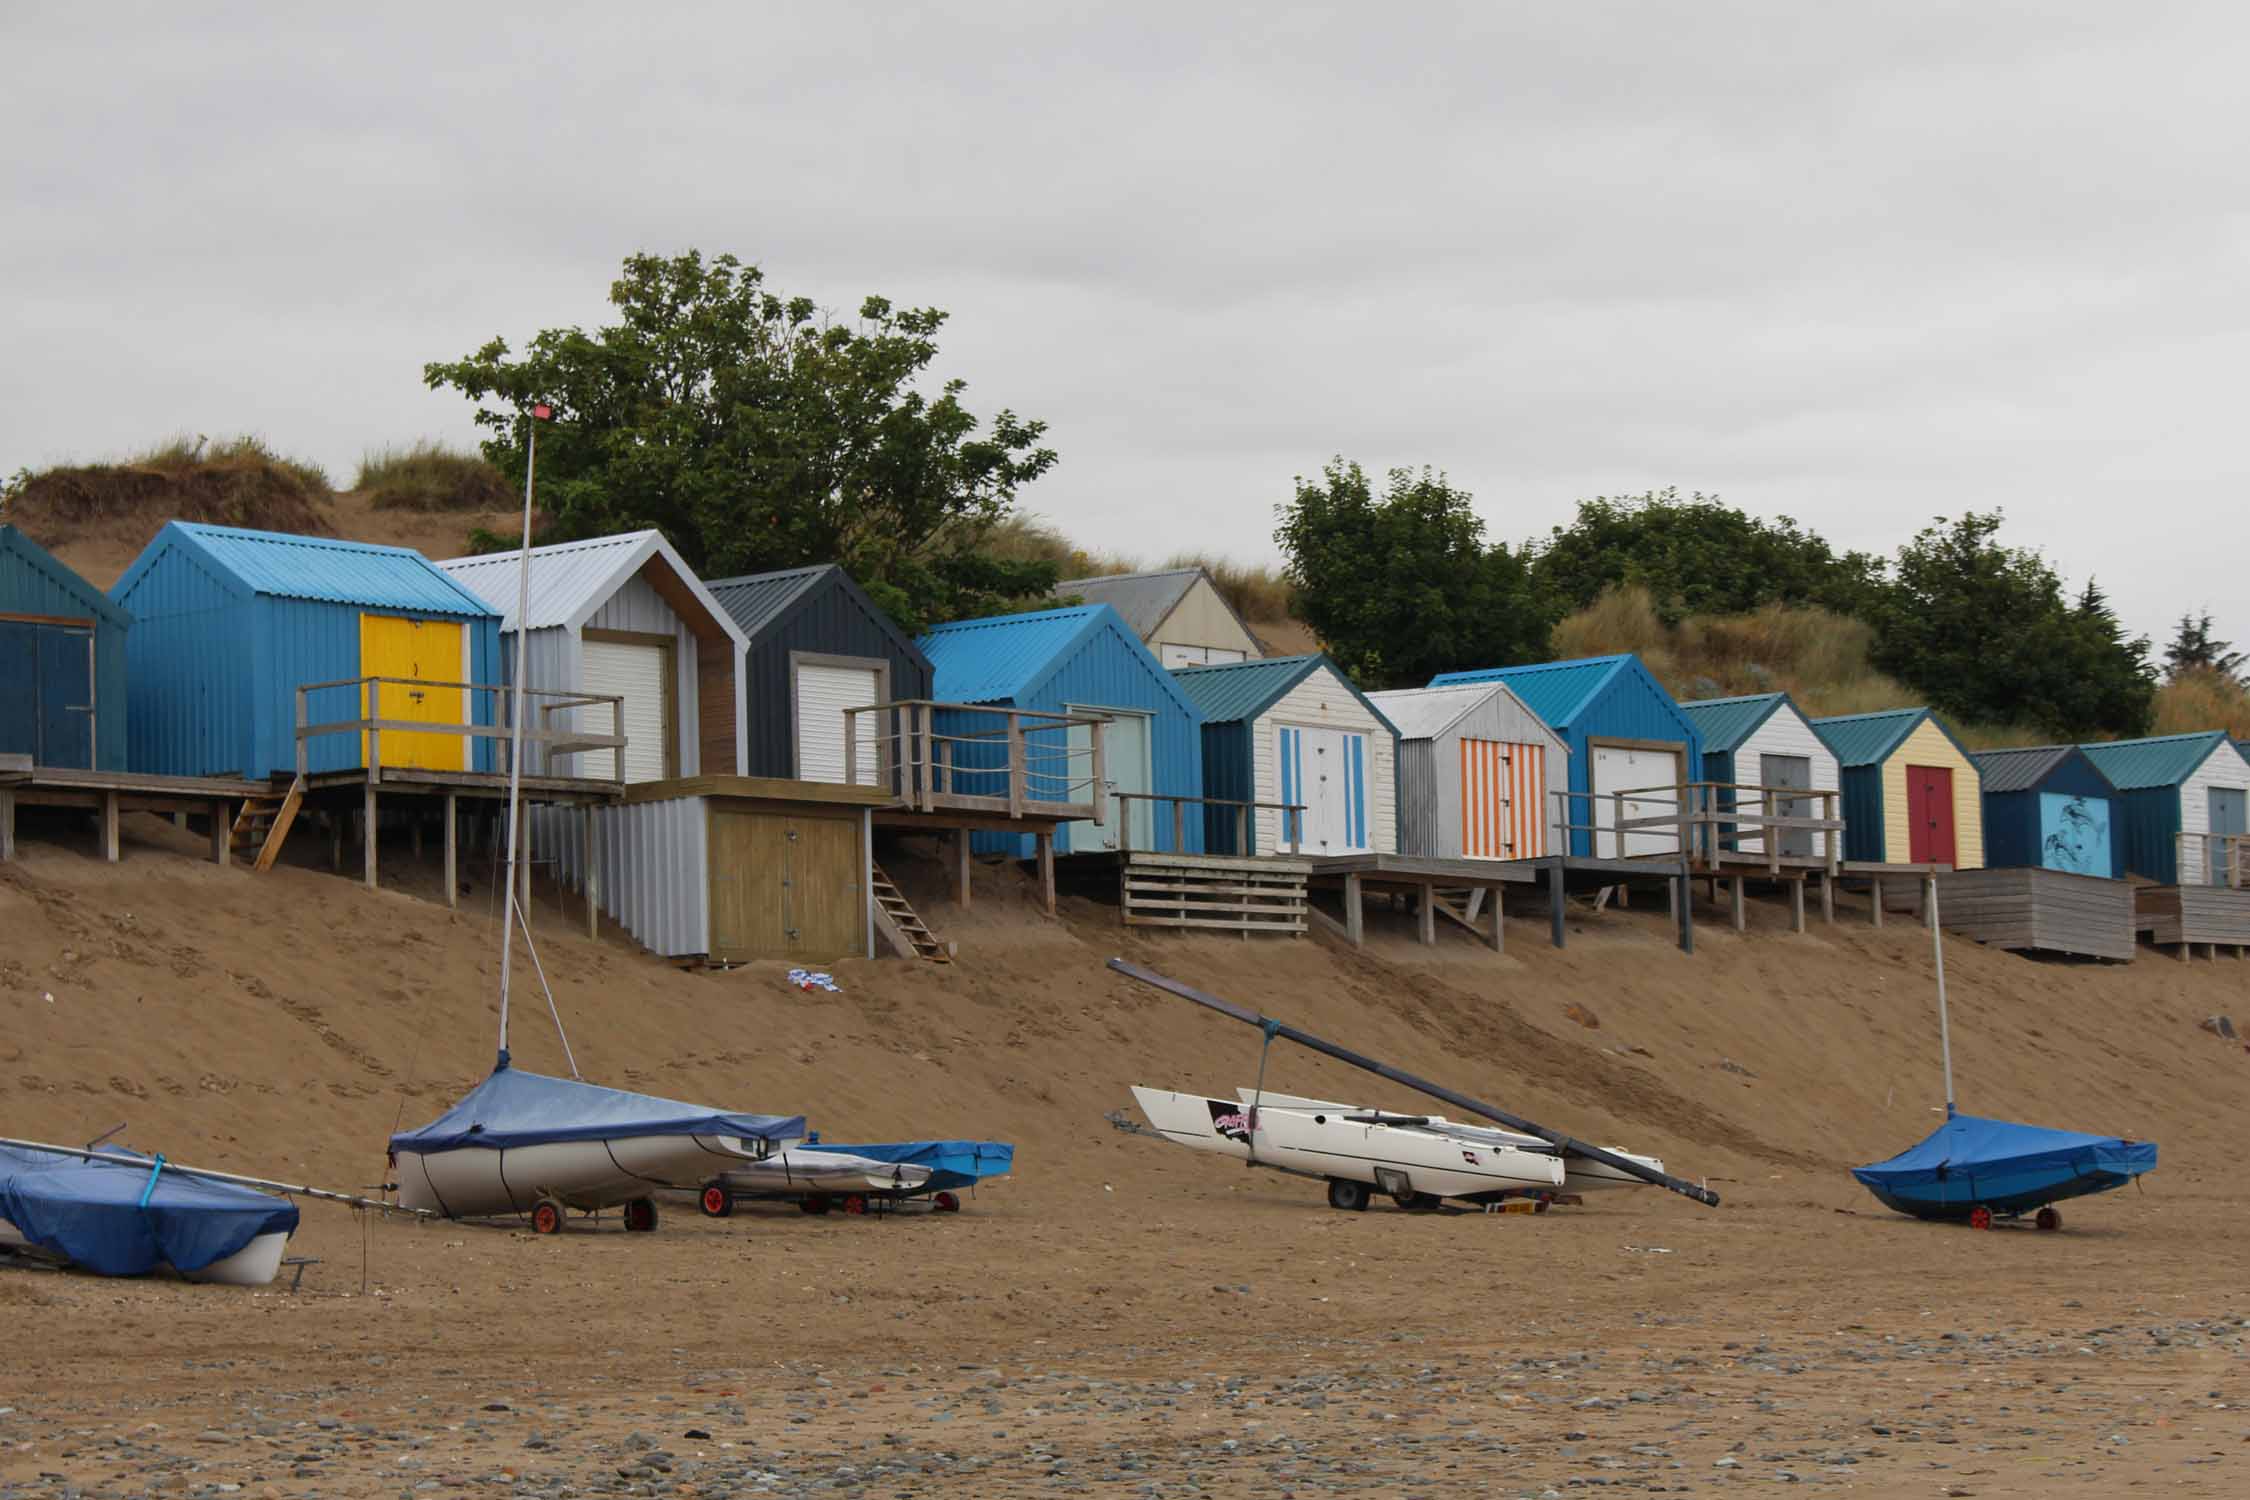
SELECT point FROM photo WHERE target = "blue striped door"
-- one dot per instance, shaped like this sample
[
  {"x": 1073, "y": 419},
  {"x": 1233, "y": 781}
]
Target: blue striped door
[{"x": 1326, "y": 770}]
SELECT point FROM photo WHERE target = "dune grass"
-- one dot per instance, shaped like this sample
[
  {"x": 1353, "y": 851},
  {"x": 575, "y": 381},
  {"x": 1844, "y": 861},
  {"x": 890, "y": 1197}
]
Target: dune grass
[
  {"x": 431, "y": 476},
  {"x": 2200, "y": 699},
  {"x": 238, "y": 481}
]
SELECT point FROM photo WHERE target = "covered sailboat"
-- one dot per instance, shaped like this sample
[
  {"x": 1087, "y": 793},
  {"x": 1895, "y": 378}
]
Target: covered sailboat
[{"x": 125, "y": 1215}]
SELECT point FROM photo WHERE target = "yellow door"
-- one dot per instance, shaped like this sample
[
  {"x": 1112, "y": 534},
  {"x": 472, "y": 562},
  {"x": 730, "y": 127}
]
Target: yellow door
[{"x": 422, "y": 651}]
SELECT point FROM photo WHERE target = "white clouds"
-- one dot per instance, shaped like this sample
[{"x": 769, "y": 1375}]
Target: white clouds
[{"x": 1859, "y": 267}]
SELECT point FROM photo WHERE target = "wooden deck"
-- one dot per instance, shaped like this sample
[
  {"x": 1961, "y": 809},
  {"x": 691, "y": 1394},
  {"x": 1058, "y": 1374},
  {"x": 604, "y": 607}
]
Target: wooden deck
[
  {"x": 2040, "y": 911},
  {"x": 1215, "y": 893},
  {"x": 109, "y": 794},
  {"x": 2182, "y": 917}
]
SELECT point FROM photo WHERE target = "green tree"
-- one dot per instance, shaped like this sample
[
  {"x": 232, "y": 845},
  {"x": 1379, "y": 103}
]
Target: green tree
[
  {"x": 758, "y": 434},
  {"x": 1984, "y": 632},
  {"x": 2192, "y": 646},
  {"x": 1698, "y": 556},
  {"x": 1400, "y": 586}
]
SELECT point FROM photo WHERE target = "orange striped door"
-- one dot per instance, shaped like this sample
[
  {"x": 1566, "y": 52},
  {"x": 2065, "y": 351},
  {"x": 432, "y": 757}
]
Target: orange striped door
[{"x": 1503, "y": 788}]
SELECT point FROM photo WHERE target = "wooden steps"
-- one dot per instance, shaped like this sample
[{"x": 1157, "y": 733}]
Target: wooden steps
[
  {"x": 905, "y": 928},
  {"x": 264, "y": 823}
]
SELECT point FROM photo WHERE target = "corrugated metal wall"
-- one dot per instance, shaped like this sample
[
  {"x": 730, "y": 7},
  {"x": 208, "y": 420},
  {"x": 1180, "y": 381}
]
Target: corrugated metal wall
[
  {"x": 189, "y": 674},
  {"x": 2147, "y": 820},
  {"x": 828, "y": 622},
  {"x": 27, "y": 589},
  {"x": 1863, "y": 813},
  {"x": 638, "y": 606},
  {"x": 2014, "y": 834},
  {"x": 1418, "y": 800},
  {"x": 298, "y": 641},
  {"x": 655, "y": 867},
  {"x": 1630, "y": 707},
  {"x": 1227, "y": 773}
]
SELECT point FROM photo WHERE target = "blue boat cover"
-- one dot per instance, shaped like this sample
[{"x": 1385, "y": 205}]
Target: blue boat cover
[
  {"x": 106, "y": 1217},
  {"x": 952, "y": 1164},
  {"x": 2004, "y": 1166},
  {"x": 513, "y": 1108}
]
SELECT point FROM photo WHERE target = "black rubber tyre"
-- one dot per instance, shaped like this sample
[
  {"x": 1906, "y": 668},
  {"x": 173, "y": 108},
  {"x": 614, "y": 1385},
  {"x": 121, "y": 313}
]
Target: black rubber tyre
[
  {"x": 813, "y": 1203},
  {"x": 640, "y": 1216},
  {"x": 2048, "y": 1220},
  {"x": 946, "y": 1203},
  {"x": 1351, "y": 1197},
  {"x": 546, "y": 1217},
  {"x": 717, "y": 1200},
  {"x": 1423, "y": 1203}
]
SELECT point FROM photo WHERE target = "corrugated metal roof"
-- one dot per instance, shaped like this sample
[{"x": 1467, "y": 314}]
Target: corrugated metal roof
[
  {"x": 2017, "y": 769},
  {"x": 1725, "y": 723},
  {"x": 1241, "y": 690},
  {"x": 570, "y": 581},
  {"x": 1426, "y": 713},
  {"x": 985, "y": 661},
  {"x": 332, "y": 571},
  {"x": 2165, "y": 760},
  {"x": 1555, "y": 690},
  {"x": 1143, "y": 599},
  {"x": 62, "y": 578},
  {"x": 1867, "y": 739},
  {"x": 756, "y": 600}
]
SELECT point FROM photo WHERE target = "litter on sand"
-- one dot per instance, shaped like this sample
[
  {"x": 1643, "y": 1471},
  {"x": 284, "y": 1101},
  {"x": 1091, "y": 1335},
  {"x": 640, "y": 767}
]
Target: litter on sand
[{"x": 814, "y": 979}]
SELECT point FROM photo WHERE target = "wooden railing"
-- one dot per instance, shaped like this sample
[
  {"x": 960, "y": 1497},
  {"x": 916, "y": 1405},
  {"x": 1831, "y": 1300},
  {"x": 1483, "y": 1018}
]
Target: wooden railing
[
  {"x": 547, "y": 701},
  {"x": 1707, "y": 832},
  {"x": 2219, "y": 859},
  {"x": 1292, "y": 820},
  {"x": 1014, "y": 762}
]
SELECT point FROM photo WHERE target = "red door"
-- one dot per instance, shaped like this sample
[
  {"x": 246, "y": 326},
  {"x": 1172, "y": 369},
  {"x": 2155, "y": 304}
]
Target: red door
[{"x": 1929, "y": 815}]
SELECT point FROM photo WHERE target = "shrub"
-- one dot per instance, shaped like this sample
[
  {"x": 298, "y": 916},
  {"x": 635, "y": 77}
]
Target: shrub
[
  {"x": 236, "y": 482},
  {"x": 430, "y": 476}
]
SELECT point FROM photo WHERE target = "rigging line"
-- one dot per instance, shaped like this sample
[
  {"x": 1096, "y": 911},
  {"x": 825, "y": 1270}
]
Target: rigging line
[{"x": 541, "y": 970}]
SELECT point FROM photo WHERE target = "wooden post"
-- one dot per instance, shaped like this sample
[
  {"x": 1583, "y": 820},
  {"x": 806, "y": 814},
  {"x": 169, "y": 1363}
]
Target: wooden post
[
  {"x": 1015, "y": 765},
  {"x": 1046, "y": 842},
  {"x": 590, "y": 852},
  {"x": 1741, "y": 917},
  {"x": 1773, "y": 834},
  {"x": 374, "y": 742},
  {"x": 1098, "y": 782},
  {"x": 1828, "y": 900},
  {"x": 1797, "y": 904},
  {"x": 7, "y": 824},
  {"x": 1616, "y": 828},
  {"x": 336, "y": 843},
  {"x": 452, "y": 853},
  {"x": 1242, "y": 844},
  {"x": 961, "y": 868},
  {"x": 1355, "y": 912},
  {"x": 222, "y": 835},
  {"x": 1555, "y": 901},
  {"x": 301, "y": 741},
  {"x": 1687, "y": 912},
  {"x": 1179, "y": 825},
  {"x": 367, "y": 827},
  {"x": 1499, "y": 933},
  {"x": 1425, "y": 916},
  {"x": 1831, "y": 839},
  {"x": 1875, "y": 898},
  {"x": 109, "y": 827},
  {"x": 851, "y": 746}
]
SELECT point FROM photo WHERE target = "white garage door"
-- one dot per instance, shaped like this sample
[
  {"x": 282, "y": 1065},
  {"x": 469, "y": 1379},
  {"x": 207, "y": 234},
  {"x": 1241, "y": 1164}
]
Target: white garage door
[
  {"x": 637, "y": 674},
  {"x": 1655, "y": 774},
  {"x": 823, "y": 693}
]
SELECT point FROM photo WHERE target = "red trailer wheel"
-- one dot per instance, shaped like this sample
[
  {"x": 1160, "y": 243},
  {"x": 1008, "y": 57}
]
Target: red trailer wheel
[
  {"x": 854, "y": 1204},
  {"x": 813, "y": 1203},
  {"x": 2048, "y": 1220},
  {"x": 718, "y": 1199},
  {"x": 546, "y": 1217},
  {"x": 946, "y": 1203},
  {"x": 1980, "y": 1217}
]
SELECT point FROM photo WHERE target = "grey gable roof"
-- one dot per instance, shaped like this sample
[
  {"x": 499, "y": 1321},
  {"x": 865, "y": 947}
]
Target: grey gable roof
[
  {"x": 1144, "y": 599},
  {"x": 2018, "y": 769},
  {"x": 759, "y": 601}
]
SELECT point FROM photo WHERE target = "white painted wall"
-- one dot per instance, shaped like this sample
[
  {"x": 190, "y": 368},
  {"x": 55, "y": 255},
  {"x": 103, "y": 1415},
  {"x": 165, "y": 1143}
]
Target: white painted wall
[
  {"x": 2223, "y": 767},
  {"x": 1323, "y": 701},
  {"x": 1787, "y": 732}
]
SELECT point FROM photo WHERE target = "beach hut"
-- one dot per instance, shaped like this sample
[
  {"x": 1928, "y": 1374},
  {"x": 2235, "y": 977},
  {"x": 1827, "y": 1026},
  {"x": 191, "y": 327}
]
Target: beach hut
[
  {"x": 1911, "y": 793},
  {"x": 1293, "y": 729},
  {"x": 818, "y": 645},
  {"x": 2049, "y": 808},
  {"x": 1083, "y": 660},
  {"x": 623, "y": 615},
  {"x": 1765, "y": 740},
  {"x": 1625, "y": 735},
  {"x": 228, "y": 624},
  {"x": 62, "y": 662},
  {"x": 1474, "y": 768},
  {"x": 1179, "y": 614},
  {"x": 2196, "y": 785}
]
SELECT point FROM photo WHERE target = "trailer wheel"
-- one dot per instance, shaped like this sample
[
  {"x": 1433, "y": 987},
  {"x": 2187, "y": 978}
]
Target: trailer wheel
[
  {"x": 855, "y": 1204},
  {"x": 2048, "y": 1220},
  {"x": 1980, "y": 1217},
  {"x": 813, "y": 1203},
  {"x": 718, "y": 1200},
  {"x": 1422, "y": 1203},
  {"x": 1349, "y": 1196},
  {"x": 640, "y": 1216},
  {"x": 546, "y": 1217},
  {"x": 946, "y": 1203}
]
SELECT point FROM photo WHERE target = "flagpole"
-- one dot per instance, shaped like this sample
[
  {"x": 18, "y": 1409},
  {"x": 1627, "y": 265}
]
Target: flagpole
[{"x": 512, "y": 913}]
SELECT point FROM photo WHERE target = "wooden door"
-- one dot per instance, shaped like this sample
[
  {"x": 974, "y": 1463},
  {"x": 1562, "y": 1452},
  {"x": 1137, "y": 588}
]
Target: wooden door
[
  {"x": 749, "y": 856},
  {"x": 1790, "y": 771},
  {"x": 425, "y": 652},
  {"x": 1929, "y": 815},
  {"x": 1503, "y": 800},
  {"x": 2227, "y": 817},
  {"x": 1326, "y": 771},
  {"x": 825, "y": 895}
]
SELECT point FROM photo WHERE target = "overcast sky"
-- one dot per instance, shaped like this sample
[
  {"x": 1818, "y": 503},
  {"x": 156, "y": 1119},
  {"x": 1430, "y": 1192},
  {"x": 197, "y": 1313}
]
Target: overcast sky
[{"x": 1859, "y": 265}]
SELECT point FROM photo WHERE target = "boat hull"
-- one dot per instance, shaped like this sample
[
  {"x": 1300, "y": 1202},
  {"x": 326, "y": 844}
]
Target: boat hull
[
  {"x": 801, "y": 1173},
  {"x": 2004, "y": 1193},
  {"x": 1580, "y": 1174},
  {"x": 1318, "y": 1143},
  {"x": 473, "y": 1182},
  {"x": 255, "y": 1264}
]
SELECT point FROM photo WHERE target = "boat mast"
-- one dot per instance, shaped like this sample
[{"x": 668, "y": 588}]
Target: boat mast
[
  {"x": 539, "y": 413},
  {"x": 1944, "y": 1026}
]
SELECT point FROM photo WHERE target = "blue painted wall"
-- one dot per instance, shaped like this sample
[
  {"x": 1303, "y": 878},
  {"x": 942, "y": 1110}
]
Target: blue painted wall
[
  {"x": 34, "y": 582},
  {"x": 2068, "y": 821},
  {"x": 1862, "y": 803},
  {"x": 1631, "y": 706},
  {"x": 2145, "y": 824}
]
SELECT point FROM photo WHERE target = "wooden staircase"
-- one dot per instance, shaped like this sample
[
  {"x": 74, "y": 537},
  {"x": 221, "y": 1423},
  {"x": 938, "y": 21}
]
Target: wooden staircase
[
  {"x": 264, "y": 823},
  {"x": 906, "y": 930}
]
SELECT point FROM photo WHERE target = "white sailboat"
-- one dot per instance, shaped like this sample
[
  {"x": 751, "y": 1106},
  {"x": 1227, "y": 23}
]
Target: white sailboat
[
  {"x": 1581, "y": 1174},
  {"x": 529, "y": 1143}
]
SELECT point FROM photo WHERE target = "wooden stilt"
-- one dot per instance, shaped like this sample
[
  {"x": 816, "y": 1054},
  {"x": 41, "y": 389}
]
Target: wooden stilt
[
  {"x": 1555, "y": 903},
  {"x": 452, "y": 851},
  {"x": 1499, "y": 932},
  {"x": 590, "y": 857},
  {"x": 1425, "y": 917},
  {"x": 7, "y": 824},
  {"x": 961, "y": 868},
  {"x": 1686, "y": 912},
  {"x": 1875, "y": 899},
  {"x": 222, "y": 835},
  {"x": 1046, "y": 842},
  {"x": 336, "y": 843},
  {"x": 1740, "y": 915},
  {"x": 1828, "y": 900},
  {"x": 179, "y": 819},
  {"x": 109, "y": 827},
  {"x": 368, "y": 824},
  {"x": 1797, "y": 904},
  {"x": 1355, "y": 912}
]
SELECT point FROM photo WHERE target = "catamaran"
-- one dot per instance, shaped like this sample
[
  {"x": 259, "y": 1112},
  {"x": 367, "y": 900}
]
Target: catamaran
[{"x": 1581, "y": 1174}]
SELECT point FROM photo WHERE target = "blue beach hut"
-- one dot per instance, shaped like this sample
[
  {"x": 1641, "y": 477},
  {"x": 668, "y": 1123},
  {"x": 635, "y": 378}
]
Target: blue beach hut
[
  {"x": 2173, "y": 784},
  {"x": 1084, "y": 660},
  {"x": 62, "y": 662},
  {"x": 2049, "y": 808},
  {"x": 228, "y": 624},
  {"x": 1625, "y": 735}
]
